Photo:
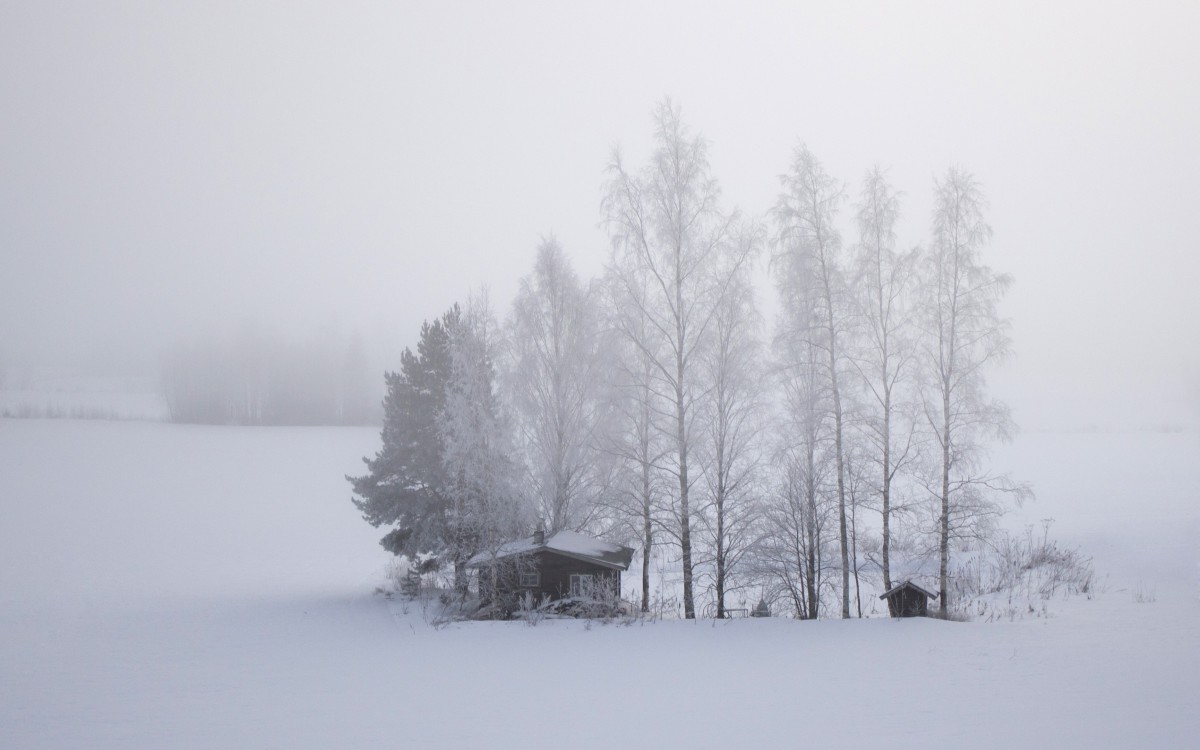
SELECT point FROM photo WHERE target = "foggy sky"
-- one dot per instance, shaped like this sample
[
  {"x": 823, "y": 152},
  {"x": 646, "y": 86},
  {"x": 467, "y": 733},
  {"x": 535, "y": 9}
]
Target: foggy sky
[{"x": 352, "y": 166}]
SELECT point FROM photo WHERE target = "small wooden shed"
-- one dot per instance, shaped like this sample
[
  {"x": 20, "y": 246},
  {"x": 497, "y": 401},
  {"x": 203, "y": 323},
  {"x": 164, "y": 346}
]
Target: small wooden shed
[
  {"x": 565, "y": 565},
  {"x": 907, "y": 600}
]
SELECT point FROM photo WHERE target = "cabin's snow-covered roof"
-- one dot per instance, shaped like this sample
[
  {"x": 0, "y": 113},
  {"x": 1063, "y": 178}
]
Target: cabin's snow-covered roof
[
  {"x": 569, "y": 543},
  {"x": 907, "y": 585}
]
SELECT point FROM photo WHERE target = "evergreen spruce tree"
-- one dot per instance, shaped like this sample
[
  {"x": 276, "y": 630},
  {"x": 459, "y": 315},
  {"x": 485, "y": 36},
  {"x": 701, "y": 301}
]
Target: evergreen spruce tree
[
  {"x": 410, "y": 587},
  {"x": 405, "y": 487}
]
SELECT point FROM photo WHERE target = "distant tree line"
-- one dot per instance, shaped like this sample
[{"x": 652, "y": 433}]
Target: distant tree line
[
  {"x": 258, "y": 379},
  {"x": 844, "y": 442}
]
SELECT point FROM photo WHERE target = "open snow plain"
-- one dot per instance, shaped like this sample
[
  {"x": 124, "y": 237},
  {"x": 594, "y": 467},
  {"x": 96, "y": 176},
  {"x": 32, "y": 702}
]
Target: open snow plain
[{"x": 167, "y": 586}]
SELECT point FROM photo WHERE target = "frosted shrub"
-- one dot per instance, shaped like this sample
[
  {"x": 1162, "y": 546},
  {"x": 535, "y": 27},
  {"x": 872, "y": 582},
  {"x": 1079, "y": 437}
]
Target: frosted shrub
[
  {"x": 1020, "y": 569},
  {"x": 404, "y": 577},
  {"x": 598, "y": 600},
  {"x": 530, "y": 610},
  {"x": 394, "y": 574}
]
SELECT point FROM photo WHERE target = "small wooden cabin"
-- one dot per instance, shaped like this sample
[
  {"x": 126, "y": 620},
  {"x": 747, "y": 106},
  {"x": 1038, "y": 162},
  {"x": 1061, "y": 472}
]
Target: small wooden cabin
[
  {"x": 562, "y": 566},
  {"x": 907, "y": 600}
]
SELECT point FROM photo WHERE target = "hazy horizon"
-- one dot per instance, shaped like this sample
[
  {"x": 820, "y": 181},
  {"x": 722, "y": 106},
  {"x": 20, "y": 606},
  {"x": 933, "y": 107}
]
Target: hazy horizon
[{"x": 174, "y": 171}]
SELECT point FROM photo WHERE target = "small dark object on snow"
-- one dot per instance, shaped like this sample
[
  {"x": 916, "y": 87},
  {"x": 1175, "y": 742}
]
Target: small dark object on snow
[
  {"x": 907, "y": 600},
  {"x": 762, "y": 609}
]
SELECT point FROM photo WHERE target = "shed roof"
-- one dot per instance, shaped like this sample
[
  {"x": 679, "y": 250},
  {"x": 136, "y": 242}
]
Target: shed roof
[
  {"x": 907, "y": 585},
  {"x": 567, "y": 543}
]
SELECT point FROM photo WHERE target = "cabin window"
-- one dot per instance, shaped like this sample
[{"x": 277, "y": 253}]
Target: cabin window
[
  {"x": 581, "y": 584},
  {"x": 530, "y": 580}
]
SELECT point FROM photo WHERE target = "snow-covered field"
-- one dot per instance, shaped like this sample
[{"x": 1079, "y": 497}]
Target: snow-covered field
[{"x": 167, "y": 586}]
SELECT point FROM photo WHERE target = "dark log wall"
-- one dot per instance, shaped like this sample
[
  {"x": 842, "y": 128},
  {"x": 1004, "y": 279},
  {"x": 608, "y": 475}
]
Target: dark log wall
[
  {"x": 556, "y": 572},
  {"x": 501, "y": 584}
]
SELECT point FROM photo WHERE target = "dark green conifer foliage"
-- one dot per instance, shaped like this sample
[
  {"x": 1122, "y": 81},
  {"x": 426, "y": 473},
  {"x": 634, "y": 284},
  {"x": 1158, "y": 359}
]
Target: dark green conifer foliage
[{"x": 406, "y": 481}]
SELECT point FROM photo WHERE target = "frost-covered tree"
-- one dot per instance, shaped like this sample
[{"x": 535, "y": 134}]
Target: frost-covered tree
[
  {"x": 668, "y": 228},
  {"x": 405, "y": 486},
  {"x": 636, "y": 438},
  {"x": 796, "y": 542},
  {"x": 884, "y": 357},
  {"x": 796, "y": 545},
  {"x": 485, "y": 505},
  {"x": 444, "y": 479},
  {"x": 809, "y": 253},
  {"x": 857, "y": 491},
  {"x": 733, "y": 420},
  {"x": 555, "y": 381},
  {"x": 963, "y": 334}
]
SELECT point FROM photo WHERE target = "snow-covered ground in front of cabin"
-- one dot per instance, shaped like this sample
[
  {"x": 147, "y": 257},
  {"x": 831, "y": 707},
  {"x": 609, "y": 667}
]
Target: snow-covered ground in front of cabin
[{"x": 195, "y": 587}]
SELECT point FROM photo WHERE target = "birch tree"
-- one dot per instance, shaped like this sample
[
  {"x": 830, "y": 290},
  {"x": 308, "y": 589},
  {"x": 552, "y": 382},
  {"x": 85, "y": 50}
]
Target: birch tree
[
  {"x": 793, "y": 548},
  {"x": 885, "y": 356},
  {"x": 809, "y": 248},
  {"x": 793, "y": 544},
  {"x": 963, "y": 335},
  {"x": 555, "y": 382},
  {"x": 667, "y": 226},
  {"x": 733, "y": 425},
  {"x": 637, "y": 438}
]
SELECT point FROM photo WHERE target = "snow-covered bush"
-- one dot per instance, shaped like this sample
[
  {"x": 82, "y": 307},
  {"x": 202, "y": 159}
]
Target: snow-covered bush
[{"x": 1015, "y": 574}]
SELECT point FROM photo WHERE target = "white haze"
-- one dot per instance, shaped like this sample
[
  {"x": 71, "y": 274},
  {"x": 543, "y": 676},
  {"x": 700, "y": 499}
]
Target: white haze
[{"x": 166, "y": 170}]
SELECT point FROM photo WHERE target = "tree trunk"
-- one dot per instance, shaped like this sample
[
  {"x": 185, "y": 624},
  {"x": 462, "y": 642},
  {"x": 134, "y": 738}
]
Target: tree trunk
[
  {"x": 646, "y": 541},
  {"x": 814, "y": 540},
  {"x": 685, "y": 530},
  {"x": 887, "y": 485},
  {"x": 460, "y": 576},
  {"x": 947, "y": 378},
  {"x": 944, "y": 520},
  {"x": 810, "y": 579},
  {"x": 647, "y": 535},
  {"x": 720, "y": 554},
  {"x": 854, "y": 549},
  {"x": 841, "y": 479}
]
